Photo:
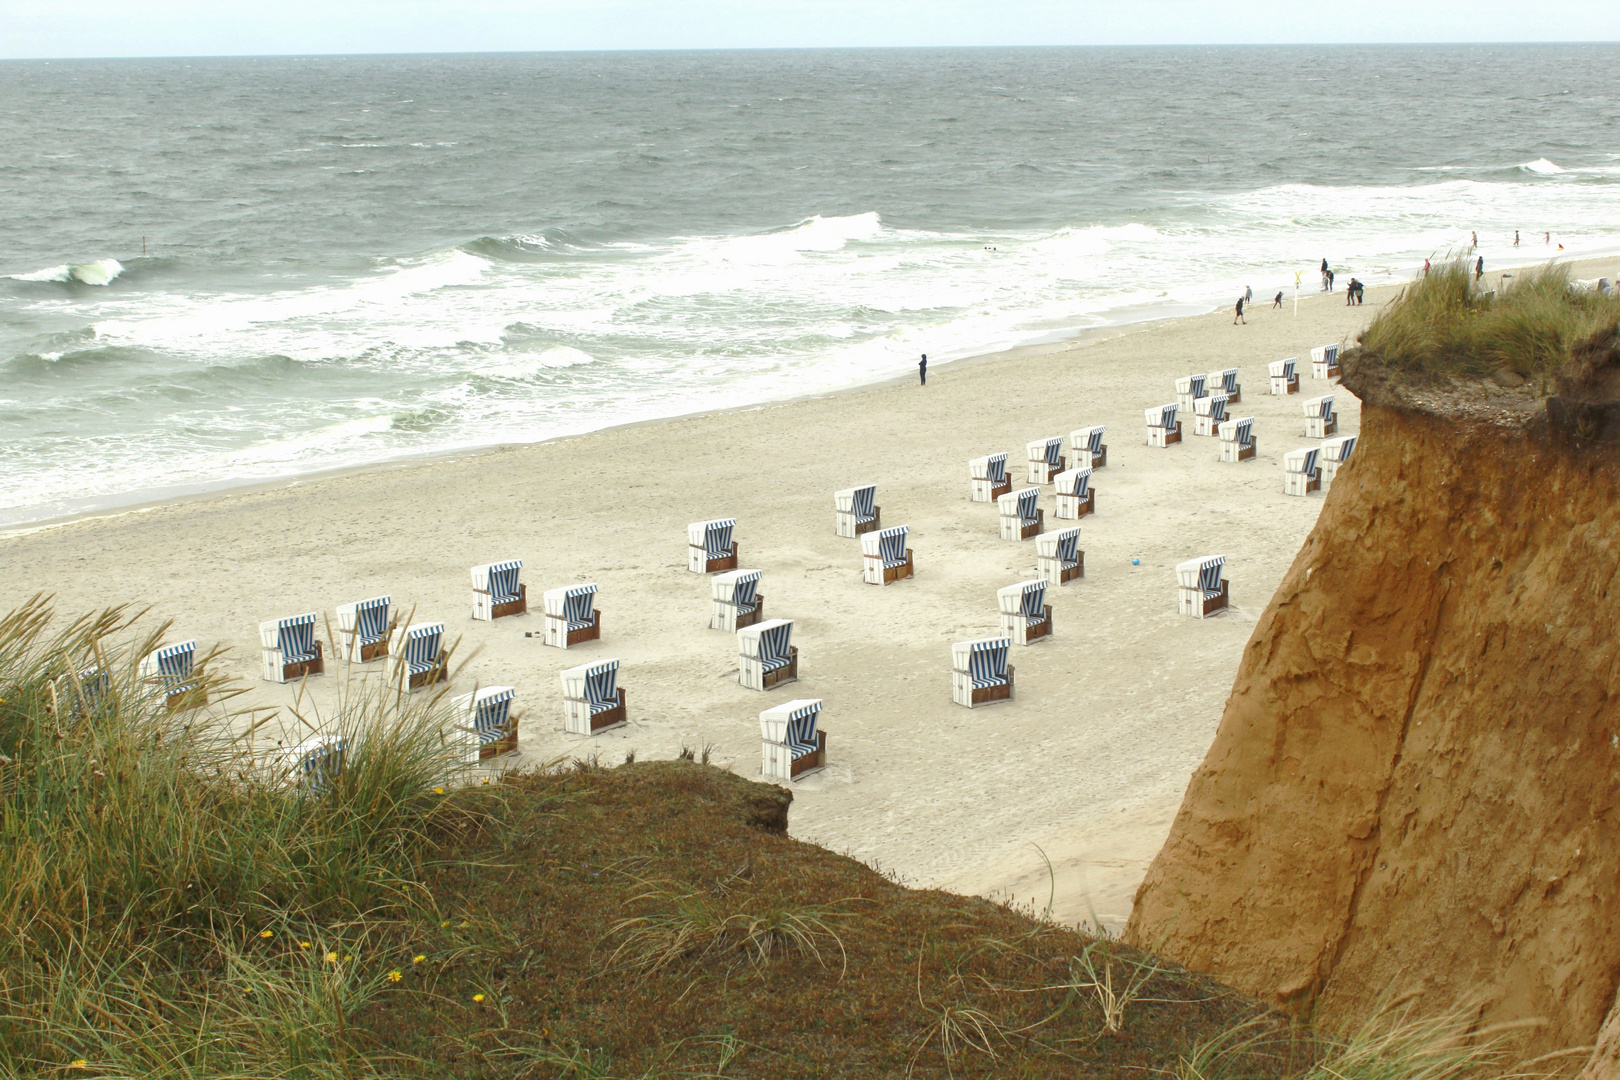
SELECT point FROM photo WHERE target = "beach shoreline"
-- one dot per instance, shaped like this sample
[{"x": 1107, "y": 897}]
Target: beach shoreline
[{"x": 1084, "y": 769}]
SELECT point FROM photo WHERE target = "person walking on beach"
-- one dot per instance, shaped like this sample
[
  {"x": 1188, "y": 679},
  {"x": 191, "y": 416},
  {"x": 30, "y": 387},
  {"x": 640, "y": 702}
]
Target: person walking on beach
[
  {"x": 1474, "y": 240},
  {"x": 1425, "y": 267},
  {"x": 1277, "y": 303},
  {"x": 1248, "y": 294},
  {"x": 922, "y": 369},
  {"x": 1330, "y": 281},
  {"x": 1479, "y": 269},
  {"x": 1350, "y": 293},
  {"x": 1324, "y": 275},
  {"x": 1515, "y": 237},
  {"x": 1238, "y": 318}
]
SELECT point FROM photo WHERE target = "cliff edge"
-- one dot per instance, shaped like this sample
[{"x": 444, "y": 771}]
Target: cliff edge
[{"x": 1415, "y": 786}]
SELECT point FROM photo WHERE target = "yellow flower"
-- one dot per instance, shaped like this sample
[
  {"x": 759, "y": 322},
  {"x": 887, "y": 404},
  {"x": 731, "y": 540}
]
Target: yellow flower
[
  {"x": 267, "y": 933},
  {"x": 347, "y": 958},
  {"x": 444, "y": 924},
  {"x": 478, "y": 997},
  {"x": 331, "y": 958},
  {"x": 418, "y": 958},
  {"x": 76, "y": 1063},
  {"x": 303, "y": 944},
  {"x": 438, "y": 791},
  {"x": 395, "y": 975}
]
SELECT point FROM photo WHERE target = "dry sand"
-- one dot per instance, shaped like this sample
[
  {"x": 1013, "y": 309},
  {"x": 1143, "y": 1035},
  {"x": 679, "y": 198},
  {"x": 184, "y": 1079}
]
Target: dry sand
[{"x": 1089, "y": 763}]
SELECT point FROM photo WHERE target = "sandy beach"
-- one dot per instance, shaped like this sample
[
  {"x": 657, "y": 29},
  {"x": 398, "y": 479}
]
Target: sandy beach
[{"x": 1087, "y": 766}]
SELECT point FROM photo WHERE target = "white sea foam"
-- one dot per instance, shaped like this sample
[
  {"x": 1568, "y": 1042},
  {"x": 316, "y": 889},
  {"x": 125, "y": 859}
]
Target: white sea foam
[
  {"x": 100, "y": 272},
  {"x": 1541, "y": 166}
]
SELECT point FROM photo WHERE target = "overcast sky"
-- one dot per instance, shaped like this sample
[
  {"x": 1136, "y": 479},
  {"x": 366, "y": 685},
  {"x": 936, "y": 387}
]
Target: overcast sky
[{"x": 53, "y": 28}]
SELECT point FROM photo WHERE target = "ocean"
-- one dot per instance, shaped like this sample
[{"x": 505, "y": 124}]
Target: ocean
[{"x": 218, "y": 272}]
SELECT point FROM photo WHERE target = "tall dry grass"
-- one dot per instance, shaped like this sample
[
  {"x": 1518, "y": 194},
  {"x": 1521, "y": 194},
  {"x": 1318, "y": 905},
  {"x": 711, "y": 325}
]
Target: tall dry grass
[
  {"x": 1444, "y": 325},
  {"x": 172, "y": 906}
]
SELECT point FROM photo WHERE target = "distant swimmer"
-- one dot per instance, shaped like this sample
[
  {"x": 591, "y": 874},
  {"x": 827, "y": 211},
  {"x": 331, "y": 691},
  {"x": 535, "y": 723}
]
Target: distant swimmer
[
  {"x": 922, "y": 369},
  {"x": 1238, "y": 318}
]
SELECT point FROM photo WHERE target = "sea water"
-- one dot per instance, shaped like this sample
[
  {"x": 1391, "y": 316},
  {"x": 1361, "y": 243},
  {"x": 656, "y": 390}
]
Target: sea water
[{"x": 217, "y": 272}]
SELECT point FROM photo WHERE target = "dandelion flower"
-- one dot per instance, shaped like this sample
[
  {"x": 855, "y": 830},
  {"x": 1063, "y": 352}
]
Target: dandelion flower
[
  {"x": 444, "y": 924},
  {"x": 418, "y": 958},
  {"x": 478, "y": 997},
  {"x": 267, "y": 933},
  {"x": 303, "y": 944},
  {"x": 395, "y": 975},
  {"x": 438, "y": 791},
  {"x": 331, "y": 958},
  {"x": 76, "y": 1063}
]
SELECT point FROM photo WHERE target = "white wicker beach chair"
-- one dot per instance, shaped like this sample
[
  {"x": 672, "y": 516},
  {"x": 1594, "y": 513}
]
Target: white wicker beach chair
[
  {"x": 1225, "y": 381},
  {"x": 980, "y": 673},
  {"x": 419, "y": 657},
  {"x": 592, "y": 699},
  {"x": 1162, "y": 426},
  {"x": 1189, "y": 388},
  {"x": 791, "y": 741},
  {"x": 314, "y": 764},
  {"x": 571, "y": 615},
  {"x": 767, "y": 657},
  {"x": 1020, "y": 517},
  {"x": 1237, "y": 439},
  {"x": 1200, "y": 588},
  {"x": 1283, "y": 378},
  {"x": 364, "y": 630},
  {"x": 497, "y": 592},
  {"x": 1325, "y": 362},
  {"x": 172, "y": 669},
  {"x": 1075, "y": 496},
  {"x": 1208, "y": 412},
  {"x": 709, "y": 546},
  {"x": 1335, "y": 452},
  {"x": 1088, "y": 448},
  {"x": 854, "y": 511},
  {"x": 735, "y": 600},
  {"x": 1026, "y": 617},
  {"x": 1058, "y": 558},
  {"x": 988, "y": 477},
  {"x": 1045, "y": 459},
  {"x": 1320, "y": 419},
  {"x": 885, "y": 556},
  {"x": 1301, "y": 476},
  {"x": 484, "y": 725},
  {"x": 289, "y": 649}
]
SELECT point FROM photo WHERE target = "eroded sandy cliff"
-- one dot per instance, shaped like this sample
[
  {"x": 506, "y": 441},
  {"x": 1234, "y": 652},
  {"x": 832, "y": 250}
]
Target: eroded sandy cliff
[{"x": 1416, "y": 781}]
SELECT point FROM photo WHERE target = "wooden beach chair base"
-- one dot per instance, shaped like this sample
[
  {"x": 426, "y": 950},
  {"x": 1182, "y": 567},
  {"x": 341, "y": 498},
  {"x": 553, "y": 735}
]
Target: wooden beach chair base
[
  {"x": 749, "y": 618},
  {"x": 1234, "y": 395},
  {"x": 1164, "y": 436},
  {"x": 559, "y": 636},
  {"x": 1302, "y": 484},
  {"x": 506, "y": 744},
  {"x": 1041, "y": 471},
  {"x": 299, "y": 669},
  {"x": 1323, "y": 370},
  {"x": 1033, "y": 529},
  {"x": 1282, "y": 386},
  {"x": 846, "y": 525},
  {"x": 434, "y": 675},
  {"x": 989, "y": 490},
  {"x": 520, "y": 606},
  {"x": 984, "y": 695},
  {"x": 891, "y": 574},
  {"x": 715, "y": 565},
  {"x": 610, "y": 718},
  {"x": 192, "y": 697},
  {"x": 816, "y": 759},
  {"x": 1070, "y": 508},
  {"x": 1099, "y": 460},
  {"x": 376, "y": 650},
  {"x": 1231, "y": 451},
  {"x": 1028, "y": 633},
  {"x": 786, "y": 674},
  {"x": 1317, "y": 428}
]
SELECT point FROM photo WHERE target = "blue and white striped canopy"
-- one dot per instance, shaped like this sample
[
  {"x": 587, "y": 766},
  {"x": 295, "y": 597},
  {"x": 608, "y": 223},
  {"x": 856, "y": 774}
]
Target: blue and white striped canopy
[
  {"x": 1190, "y": 384},
  {"x": 775, "y": 644},
  {"x": 1027, "y": 498},
  {"x": 1034, "y": 601},
  {"x": 1213, "y": 406},
  {"x": 1319, "y": 407},
  {"x": 801, "y": 730},
  {"x": 991, "y": 467},
  {"x": 1076, "y": 482},
  {"x": 1330, "y": 353},
  {"x": 371, "y": 619},
  {"x": 1238, "y": 431},
  {"x": 714, "y": 536},
  {"x": 1048, "y": 450},
  {"x": 422, "y": 643},
  {"x": 491, "y": 709},
  {"x": 1302, "y": 460},
  {"x": 1282, "y": 369},
  {"x": 1068, "y": 544},
  {"x": 1161, "y": 416},
  {"x": 1203, "y": 573},
  {"x": 1223, "y": 381},
  {"x": 578, "y": 604},
  {"x": 987, "y": 661},
  {"x": 860, "y": 501},
  {"x": 321, "y": 763},
  {"x": 1338, "y": 450},
  {"x": 744, "y": 588},
  {"x": 503, "y": 581},
  {"x": 601, "y": 686},
  {"x": 1089, "y": 439},
  {"x": 296, "y": 637},
  {"x": 891, "y": 545},
  {"x": 175, "y": 661}
]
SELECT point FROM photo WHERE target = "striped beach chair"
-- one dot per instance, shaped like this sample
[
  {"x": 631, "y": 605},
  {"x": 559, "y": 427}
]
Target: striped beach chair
[
  {"x": 1208, "y": 412},
  {"x": 791, "y": 740},
  {"x": 980, "y": 673},
  {"x": 1020, "y": 517},
  {"x": 709, "y": 546},
  {"x": 855, "y": 512},
  {"x": 592, "y": 699},
  {"x": 1225, "y": 381},
  {"x": 1026, "y": 617},
  {"x": 988, "y": 477},
  {"x": 1320, "y": 419},
  {"x": 571, "y": 615},
  {"x": 1335, "y": 452},
  {"x": 485, "y": 727},
  {"x": 364, "y": 629},
  {"x": 885, "y": 556},
  {"x": 1325, "y": 362},
  {"x": 1237, "y": 439},
  {"x": 1283, "y": 378},
  {"x": 1087, "y": 446},
  {"x": 1201, "y": 591},
  {"x": 77, "y": 693},
  {"x": 1075, "y": 496},
  {"x": 1045, "y": 459},
  {"x": 1058, "y": 558},
  {"x": 1301, "y": 476},
  {"x": 420, "y": 659},
  {"x": 1189, "y": 388},
  {"x": 735, "y": 600},
  {"x": 1162, "y": 426},
  {"x": 497, "y": 592},
  {"x": 314, "y": 764},
  {"x": 767, "y": 657},
  {"x": 172, "y": 670},
  {"x": 289, "y": 648}
]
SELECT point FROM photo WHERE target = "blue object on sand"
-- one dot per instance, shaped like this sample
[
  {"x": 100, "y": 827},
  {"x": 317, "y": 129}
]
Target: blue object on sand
[{"x": 1136, "y": 562}]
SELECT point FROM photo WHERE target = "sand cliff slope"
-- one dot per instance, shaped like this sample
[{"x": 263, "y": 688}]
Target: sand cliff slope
[{"x": 1415, "y": 782}]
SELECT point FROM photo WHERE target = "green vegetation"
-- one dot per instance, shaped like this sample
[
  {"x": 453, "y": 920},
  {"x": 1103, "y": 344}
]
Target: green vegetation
[
  {"x": 1442, "y": 325},
  {"x": 172, "y": 909}
]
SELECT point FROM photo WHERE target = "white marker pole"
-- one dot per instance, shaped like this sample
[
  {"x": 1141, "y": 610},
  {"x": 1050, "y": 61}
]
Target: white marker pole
[{"x": 1297, "y": 275}]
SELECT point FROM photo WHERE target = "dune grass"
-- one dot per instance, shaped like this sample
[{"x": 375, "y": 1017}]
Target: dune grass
[{"x": 1443, "y": 325}]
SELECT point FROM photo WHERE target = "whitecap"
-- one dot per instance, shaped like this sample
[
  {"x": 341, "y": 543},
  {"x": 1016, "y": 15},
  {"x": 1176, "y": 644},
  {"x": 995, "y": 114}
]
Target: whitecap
[
  {"x": 100, "y": 272},
  {"x": 1541, "y": 166}
]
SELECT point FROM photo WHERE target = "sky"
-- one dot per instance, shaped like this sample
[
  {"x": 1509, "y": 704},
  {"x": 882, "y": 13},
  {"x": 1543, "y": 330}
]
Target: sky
[{"x": 93, "y": 28}]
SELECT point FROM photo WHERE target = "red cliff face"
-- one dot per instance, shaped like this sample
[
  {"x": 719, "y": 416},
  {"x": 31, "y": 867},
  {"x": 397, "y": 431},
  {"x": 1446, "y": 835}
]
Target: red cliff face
[{"x": 1416, "y": 782}]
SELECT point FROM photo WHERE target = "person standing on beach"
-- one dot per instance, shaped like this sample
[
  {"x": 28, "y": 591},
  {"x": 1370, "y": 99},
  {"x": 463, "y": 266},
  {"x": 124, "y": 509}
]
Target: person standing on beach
[
  {"x": 922, "y": 369},
  {"x": 1479, "y": 269},
  {"x": 1350, "y": 293},
  {"x": 1473, "y": 240},
  {"x": 1238, "y": 318},
  {"x": 1330, "y": 281},
  {"x": 1425, "y": 267},
  {"x": 1324, "y": 275},
  {"x": 1515, "y": 237}
]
